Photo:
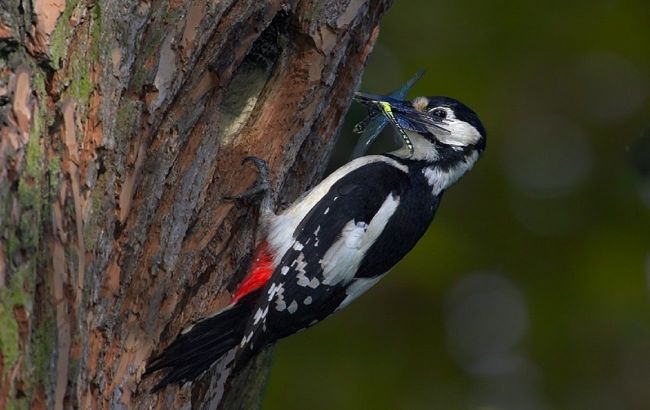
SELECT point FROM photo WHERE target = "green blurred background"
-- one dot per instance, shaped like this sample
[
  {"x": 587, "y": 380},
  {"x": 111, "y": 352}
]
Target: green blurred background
[{"x": 531, "y": 289}]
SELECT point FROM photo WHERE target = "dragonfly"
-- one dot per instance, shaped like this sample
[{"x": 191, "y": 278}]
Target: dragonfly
[{"x": 370, "y": 127}]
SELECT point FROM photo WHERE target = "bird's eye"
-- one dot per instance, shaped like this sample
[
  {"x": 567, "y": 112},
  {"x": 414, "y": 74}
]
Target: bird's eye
[{"x": 439, "y": 112}]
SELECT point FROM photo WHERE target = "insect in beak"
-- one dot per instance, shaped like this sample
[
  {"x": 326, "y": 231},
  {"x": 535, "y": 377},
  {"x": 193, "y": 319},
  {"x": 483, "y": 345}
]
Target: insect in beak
[
  {"x": 370, "y": 127},
  {"x": 381, "y": 105}
]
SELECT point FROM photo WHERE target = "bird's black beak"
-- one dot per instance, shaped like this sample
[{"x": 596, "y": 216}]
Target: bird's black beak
[{"x": 401, "y": 113}]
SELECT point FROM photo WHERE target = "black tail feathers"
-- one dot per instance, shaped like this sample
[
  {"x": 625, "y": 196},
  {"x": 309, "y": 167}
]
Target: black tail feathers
[{"x": 199, "y": 346}]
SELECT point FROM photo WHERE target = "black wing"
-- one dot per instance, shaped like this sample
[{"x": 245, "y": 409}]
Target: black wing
[
  {"x": 296, "y": 297},
  {"x": 355, "y": 197}
]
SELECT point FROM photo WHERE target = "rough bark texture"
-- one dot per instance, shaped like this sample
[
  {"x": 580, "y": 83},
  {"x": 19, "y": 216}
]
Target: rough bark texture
[{"x": 123, "y": 123}]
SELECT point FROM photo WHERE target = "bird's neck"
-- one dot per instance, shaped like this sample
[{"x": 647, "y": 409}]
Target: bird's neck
[
  {"x": 442, "y": 174},
  {"x": 423, "y": 149},
  {"x": 441, "y": 165}
]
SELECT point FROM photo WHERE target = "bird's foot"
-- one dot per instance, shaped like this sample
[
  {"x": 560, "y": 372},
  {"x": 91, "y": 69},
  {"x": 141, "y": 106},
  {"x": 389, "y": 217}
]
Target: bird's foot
[{"x": 261, "y": 188}]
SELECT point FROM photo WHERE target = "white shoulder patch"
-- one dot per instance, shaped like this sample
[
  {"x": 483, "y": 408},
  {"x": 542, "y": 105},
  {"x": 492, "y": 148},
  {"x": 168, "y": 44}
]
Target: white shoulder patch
[
  {"x": 342, "y": 259},
  {"x": 353, "y": 234}
]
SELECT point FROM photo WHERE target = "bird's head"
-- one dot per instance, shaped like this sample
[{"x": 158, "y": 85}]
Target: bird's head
[{"x": 435, "y": 129}]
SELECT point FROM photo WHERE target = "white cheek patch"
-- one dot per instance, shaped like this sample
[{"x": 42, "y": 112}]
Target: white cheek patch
[{"x": 460, "y": 134}]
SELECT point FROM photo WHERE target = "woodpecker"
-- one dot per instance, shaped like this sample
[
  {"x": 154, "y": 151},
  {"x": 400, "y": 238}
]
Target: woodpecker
[{"x": 338, "y": 239}]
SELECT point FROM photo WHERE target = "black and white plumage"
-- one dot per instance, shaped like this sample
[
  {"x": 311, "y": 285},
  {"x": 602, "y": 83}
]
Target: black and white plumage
[{"x": 339, "y": 239}]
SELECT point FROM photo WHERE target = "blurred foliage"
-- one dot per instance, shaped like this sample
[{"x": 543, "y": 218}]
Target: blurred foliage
[{"x": 531, "y": 289}]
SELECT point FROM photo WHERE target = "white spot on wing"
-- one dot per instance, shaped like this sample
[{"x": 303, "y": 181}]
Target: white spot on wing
[
  {"x": 301, "y": 273},
  {"x": 307, "y": 300},
  {"x": 246, "y": 339},
  {"x": 292, "y": 307},
  {"x": 276, "y": 290},
  {"x": 302, "y": 280},
  {"x": 260, "y": 314},
  {"x": 342, "y": 259}
]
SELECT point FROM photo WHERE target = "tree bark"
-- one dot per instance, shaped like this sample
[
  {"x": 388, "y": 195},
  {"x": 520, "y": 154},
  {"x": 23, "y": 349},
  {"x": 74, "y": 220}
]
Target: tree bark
[{"x": 123, "y": 124}]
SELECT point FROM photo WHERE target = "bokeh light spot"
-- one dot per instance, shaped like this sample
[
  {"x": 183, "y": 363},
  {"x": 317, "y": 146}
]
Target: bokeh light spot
[
  {"x": 486, "y": 317},
  {"x": 609, "y": 88},
  {"x": 547, "y": 156}
]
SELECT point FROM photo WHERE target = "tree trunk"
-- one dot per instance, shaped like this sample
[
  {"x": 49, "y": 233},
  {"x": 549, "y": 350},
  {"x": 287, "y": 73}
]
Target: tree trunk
[{"x": 123, "y": 124}]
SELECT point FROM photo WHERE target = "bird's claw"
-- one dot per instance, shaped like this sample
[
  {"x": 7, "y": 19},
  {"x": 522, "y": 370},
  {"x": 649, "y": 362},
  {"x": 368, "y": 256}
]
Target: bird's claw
[
  {"x": 260, "y": 164},
  {"x": 262, "y": 185}
]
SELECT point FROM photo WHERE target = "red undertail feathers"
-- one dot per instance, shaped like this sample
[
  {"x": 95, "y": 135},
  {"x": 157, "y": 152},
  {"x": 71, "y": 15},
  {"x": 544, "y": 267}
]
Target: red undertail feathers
[{"x": 259, "y": 273}]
